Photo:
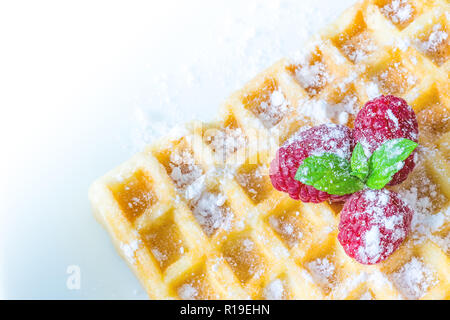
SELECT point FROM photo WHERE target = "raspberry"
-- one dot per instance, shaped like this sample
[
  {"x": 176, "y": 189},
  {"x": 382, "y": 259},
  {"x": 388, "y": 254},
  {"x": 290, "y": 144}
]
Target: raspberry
[
  {"x": 385, "y": 118},
  {"x": 314, "y": 141},
  {"x": 373, "y": 224}
]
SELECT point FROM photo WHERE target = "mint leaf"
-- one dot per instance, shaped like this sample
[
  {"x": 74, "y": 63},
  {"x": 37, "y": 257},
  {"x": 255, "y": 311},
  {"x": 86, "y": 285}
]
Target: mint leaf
[
  {"x": 330, "y": 173},
  {"x": 387, "y": 160},
  {"x": 359, "y": 163}
]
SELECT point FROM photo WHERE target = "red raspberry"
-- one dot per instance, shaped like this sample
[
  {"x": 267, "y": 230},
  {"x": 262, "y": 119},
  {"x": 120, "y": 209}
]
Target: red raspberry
[
  {"x": 385, "y": 118},
  {"x": 314, "y": 141},
  {"x": 373, "y": 224}
]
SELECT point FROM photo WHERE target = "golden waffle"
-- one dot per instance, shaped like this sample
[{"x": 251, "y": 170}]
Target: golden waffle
[{"x": 196, "y": 217}]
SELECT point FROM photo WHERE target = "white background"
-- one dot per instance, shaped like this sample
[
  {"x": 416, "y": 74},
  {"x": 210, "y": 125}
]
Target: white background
[{"x": 84, "y": 85}]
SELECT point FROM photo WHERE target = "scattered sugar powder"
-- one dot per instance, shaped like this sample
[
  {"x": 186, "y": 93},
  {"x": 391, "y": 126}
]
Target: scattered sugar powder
[
  {"x": 399, "y": 11},
  {"x": 379, "y": 280},
  {"x": 371, "y": 249},
  {"x": 402, "y": 43},
  {"x": 280, "y": 251},
  {"x": 184, "y": 169},
  {"x": 324, "y": 112},
  {"x": 274, "y": 290},
  {"x": 129, "y": 250},
  {"x": 225, "y": 142},
  {"x": 211, "y": 214},
  {"x": 253, "y": 181},
  {"x": 436, "y": 38},
  {"x": 287, "y": 229},
  {"x": 248, "y": 245},
  {"x": 322, "y": 270},
  {"x": 425, "y": 222},
  {"x": 161, "y": 257},
  {"x": 413, "y": 279},
  {"x": 423, "y": 197},
  {"x": 135, "y": 201},
  {"x": 361, "y": 51},
  {"x": 386, "y": 78},
  {"x": 187, "y": 292},
  {"x": 273, "y": 110},
  {"x": 372, "y": 90},
  {"x": 312, "y": 76},
  {"x": 349, "y": 284},
  {"x": 330, "y": 133},
  {"x": 373, "y": 242},
  {"x": 392, "y": 117}
]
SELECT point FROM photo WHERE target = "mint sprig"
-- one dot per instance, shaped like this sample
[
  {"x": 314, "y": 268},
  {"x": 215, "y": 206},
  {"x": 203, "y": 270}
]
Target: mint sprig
[
  {"x": 387, "y": 160},
  {"x": 329, "y": 173},
  {"x": 359, "y": 163},
  {"x": 335, "y": 175}
]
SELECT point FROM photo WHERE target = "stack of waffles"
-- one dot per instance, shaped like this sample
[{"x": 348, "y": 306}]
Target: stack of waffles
[{"x": 196, "y": 217}]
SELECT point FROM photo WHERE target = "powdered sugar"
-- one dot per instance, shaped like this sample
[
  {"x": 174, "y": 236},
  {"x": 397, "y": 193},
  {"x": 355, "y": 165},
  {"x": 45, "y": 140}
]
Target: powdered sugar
[
  {"x": 435, "y": 39},
  {"x": 274, "y": 290},
  {"x": 322, "y": 270},
  {"x": 413, "y": 279},
  {"x": 184, "y": 170},
  {"x": 333, "y": 138},
  {"x": 360, "y": 48},
  {"x": 399, "y": 11},
  {"x": 248, "y": 245},
  {"x": 208, "y": 207},
  {"x": 161, "y": 257},
  {"x": 386, "y": 226},
  {"x": 273, "y": 110},
  {"x": 312, "y": 76},
  {"x": 422, "y": 195},
  {"x": 211, "y": 213},
  {"x": 395, "y": 79},
  {"x": 372, "y": 90},
  {"x": 392, "y": 117},
  {"x": 323, "y": 112},
  {"x": 129, "y": 250},
  {"x": 225, "y": 142},
  {"x": 187, "y": 292},
  {"x": 371, "y": 249},
  {"x": 286, "y": 228}
]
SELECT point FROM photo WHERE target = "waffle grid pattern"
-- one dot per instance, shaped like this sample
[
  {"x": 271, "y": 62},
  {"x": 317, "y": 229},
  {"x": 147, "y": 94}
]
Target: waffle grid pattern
[{"x": 195, "y": 215}]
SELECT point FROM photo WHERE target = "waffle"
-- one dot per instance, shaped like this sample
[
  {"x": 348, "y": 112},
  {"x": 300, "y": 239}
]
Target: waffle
[{"x": 196, "y": 217}]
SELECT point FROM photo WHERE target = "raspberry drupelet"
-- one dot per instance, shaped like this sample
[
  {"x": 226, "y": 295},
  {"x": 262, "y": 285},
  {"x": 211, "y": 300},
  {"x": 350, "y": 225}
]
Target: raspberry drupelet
[
  {"x": 314, "y": 141},
  {"x": 385, "y": 118},
  {"x": 373, "y": 224}
]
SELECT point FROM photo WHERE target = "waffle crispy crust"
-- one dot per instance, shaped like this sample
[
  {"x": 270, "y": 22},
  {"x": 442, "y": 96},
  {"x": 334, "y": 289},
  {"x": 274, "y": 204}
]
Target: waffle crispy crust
[{"x": 196, "y": 217}]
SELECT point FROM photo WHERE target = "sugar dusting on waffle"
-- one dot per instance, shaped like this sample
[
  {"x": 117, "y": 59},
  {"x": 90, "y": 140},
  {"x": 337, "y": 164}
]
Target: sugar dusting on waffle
[
  {"x": 322, "y": 111},
  {"x": 414, "y": 278},
  {"x": 210, "y": 213},
  {"x": 399, "y": 11},
  {"x": 421, "y": 195},
  {"x": 322, "y": 270},
  {"x": 274, "y": 290},
  {"x": 225, "y": 142}
]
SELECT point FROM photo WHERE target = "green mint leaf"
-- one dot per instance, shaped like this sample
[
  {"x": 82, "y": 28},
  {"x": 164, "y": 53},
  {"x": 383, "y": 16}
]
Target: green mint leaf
[
  {"x": 387, "y": 160},
  {"x": 359, "y": 163},
  {"x": 330, "y": 173}
]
